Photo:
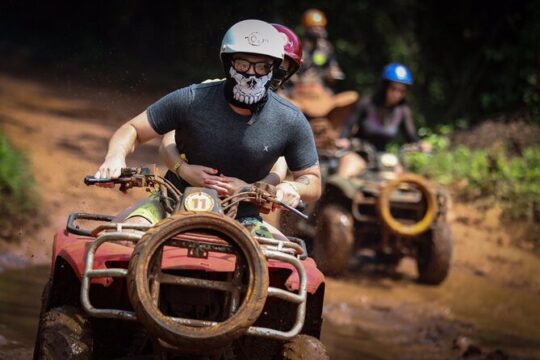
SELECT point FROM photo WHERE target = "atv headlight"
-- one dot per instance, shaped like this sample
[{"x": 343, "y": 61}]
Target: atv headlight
[{"x": 389, "y": 160}]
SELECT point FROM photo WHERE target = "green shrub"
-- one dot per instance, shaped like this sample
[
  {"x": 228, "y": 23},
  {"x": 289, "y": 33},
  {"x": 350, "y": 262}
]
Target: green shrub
[
  {"x": 17, "y": 192},
  {"x": 489, "y": 174}
]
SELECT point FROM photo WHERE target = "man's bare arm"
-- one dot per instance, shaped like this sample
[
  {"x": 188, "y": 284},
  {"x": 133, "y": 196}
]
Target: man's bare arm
[
  {"x": 278, "y": 172},
  {"x": 168, "y": 151},
  {"x": 123, "y": 142},
  {"x": 307, "y": 183}
]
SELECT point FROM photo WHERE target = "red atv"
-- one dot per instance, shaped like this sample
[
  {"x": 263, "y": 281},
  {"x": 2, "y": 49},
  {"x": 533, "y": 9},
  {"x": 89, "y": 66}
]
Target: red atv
[{"x": 198, "y": 285}]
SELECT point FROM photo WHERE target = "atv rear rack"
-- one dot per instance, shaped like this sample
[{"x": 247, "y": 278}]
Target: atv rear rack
[{"x": 290, "y": 251}]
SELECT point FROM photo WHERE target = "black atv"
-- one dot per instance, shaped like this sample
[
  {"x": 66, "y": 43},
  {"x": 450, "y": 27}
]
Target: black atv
[{"x": 386, "y": 210}]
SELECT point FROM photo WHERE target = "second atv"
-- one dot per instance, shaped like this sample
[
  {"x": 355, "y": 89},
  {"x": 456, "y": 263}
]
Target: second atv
[{"x": 390, "y": 212}]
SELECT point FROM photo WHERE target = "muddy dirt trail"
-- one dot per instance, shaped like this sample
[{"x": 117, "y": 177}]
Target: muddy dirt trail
[{"x": 489, "y": 308}]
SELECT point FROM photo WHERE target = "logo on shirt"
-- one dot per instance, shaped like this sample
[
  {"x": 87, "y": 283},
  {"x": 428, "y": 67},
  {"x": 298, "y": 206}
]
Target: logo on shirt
[{"x": 266, "y": 148}]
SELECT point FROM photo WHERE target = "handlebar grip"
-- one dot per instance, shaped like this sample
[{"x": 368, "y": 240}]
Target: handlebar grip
[
  {"x": 294, "y": 210},
  {"x": 90, "y": 180}
]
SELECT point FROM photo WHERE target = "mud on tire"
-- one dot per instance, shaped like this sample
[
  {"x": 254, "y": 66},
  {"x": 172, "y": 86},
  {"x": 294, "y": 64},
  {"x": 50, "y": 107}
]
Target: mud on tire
[
  {"x": 303, "y": 347},
  {"x": 434, "y": 255},
  {"x": 64, "y": 333},
  {"x": 198, "y": 339},
  {"x": 334, "y": 239}
]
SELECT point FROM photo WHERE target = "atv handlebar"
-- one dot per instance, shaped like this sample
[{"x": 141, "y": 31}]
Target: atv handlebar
[
  {"x": 297, "y": 210},
  {"x": 258, "y": 193},
  {"x": 129, "y": 175},
  {"x": 90, "y": 180}
]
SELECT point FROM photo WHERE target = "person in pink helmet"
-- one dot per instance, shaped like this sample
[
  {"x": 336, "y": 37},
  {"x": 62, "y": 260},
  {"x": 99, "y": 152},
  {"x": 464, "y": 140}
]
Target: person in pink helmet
[{"x": 292, "y": 60}]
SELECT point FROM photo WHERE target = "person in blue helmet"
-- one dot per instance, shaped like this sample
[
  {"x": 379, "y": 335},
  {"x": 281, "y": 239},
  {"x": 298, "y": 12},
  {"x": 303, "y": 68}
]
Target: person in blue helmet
[{"x": 380, "y": 119}]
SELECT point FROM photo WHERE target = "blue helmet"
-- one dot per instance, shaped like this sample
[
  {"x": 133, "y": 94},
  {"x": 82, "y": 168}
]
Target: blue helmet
[{"x": 397, "y": 73}]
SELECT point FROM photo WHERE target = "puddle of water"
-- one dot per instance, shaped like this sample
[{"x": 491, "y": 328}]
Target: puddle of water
[
  {"x": 20, "y": 302},
  {"x": 372, "y": 319},
  {"x": 391, "y": 319}
]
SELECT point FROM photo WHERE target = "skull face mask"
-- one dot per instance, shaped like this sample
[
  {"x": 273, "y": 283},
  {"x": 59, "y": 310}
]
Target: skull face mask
[
  {"x": 249, "y": 89},
  {"x": 246, "y": 91}
]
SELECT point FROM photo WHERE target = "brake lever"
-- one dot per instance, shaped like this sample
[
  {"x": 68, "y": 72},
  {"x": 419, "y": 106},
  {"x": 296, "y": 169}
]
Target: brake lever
[{"x": 294, "y": 210}]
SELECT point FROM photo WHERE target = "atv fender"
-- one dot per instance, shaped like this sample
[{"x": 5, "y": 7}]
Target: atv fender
[{"x": 71, "y": 251}]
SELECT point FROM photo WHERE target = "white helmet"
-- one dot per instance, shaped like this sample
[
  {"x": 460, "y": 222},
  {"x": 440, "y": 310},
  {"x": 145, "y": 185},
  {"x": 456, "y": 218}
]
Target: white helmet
[{"x": 255, "y": 37}]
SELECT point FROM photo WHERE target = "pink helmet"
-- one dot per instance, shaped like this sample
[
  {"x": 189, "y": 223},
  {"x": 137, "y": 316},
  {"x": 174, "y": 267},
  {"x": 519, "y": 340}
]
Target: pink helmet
[{"x": 293, "y": 47}]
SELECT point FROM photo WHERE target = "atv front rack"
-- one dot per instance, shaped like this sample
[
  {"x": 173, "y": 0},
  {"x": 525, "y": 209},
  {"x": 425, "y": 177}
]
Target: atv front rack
[{"x": 290, "y": 251}]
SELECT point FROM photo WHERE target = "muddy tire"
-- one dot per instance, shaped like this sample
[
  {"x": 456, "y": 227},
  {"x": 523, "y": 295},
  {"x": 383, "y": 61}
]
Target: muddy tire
[
  {"x": 434, "y": 255},
  {"x": 203, "y": 338},
  {"x": 64, "y": 333},
  {"x": 334, "y": 239},
  {"x": 303, "y": 347}
]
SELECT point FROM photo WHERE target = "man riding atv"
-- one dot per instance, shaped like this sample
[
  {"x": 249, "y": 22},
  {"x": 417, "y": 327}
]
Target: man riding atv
[
  {"x": 198, "y": 284},
  {"x": 289, "y": 66},
  {"x": 169, "y": 150},
  {"x": 232, "y": 131}
]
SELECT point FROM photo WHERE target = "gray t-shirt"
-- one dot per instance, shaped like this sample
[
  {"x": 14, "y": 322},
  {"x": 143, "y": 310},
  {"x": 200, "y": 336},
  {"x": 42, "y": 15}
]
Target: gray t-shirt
[{"x": 212, "y": 134}]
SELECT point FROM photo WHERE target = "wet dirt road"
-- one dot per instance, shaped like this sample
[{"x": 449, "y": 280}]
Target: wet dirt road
[
  {"x": 20, "y": 294},
  {"x": 399, "y": 319},
  {"x": 491, "y": 299},
  {"x": 365, "y": 317}
]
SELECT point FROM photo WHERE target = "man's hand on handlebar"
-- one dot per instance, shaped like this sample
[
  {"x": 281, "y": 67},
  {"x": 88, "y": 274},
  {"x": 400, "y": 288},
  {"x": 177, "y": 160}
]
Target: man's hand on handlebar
[
  {"x": 111, "y": 168},
  {"x": 287, "y": 194}
]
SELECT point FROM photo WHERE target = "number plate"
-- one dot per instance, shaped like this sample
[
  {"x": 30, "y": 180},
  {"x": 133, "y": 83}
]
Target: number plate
[{"x": 199, "y": 201}]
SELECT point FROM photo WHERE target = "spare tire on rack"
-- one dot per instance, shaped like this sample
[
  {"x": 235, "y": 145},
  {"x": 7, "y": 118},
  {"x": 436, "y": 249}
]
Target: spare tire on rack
[
  {"x": 143, "y": 270},
  {"x": 394, "y": 225}
]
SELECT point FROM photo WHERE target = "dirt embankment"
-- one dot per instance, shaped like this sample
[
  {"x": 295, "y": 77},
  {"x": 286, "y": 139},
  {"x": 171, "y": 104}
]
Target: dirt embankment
[
  {"x": 515, "y": 132},
  {"x": 490, "y": 298},
  {"x": 64, "y": 131}
]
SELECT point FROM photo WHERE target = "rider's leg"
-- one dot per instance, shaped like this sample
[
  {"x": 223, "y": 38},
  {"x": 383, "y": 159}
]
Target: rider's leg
[
  {"x": 255, "y": 225},
  {"x": 258, "y": 227},
  {"x": 276, "y": 234},
  {"x": 351, "y": 164},
  {"x": 145, "y": 212}
]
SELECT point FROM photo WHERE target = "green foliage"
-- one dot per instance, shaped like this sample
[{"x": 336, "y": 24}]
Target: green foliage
[
  {"x": 492, "y": 174},
  {"x": 469, "y": 58},
  {"x": 17, "y": 194}
]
